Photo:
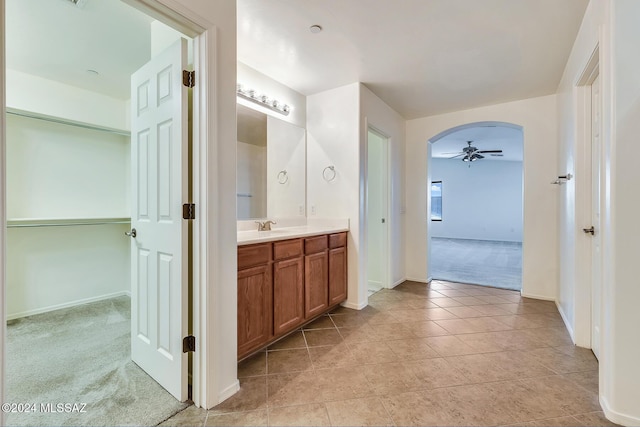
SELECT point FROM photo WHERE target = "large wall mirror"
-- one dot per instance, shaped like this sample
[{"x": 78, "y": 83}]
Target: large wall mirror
[{"x": 271, "y": 177}]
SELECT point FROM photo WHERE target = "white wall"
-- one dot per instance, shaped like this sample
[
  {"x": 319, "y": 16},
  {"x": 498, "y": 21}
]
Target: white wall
[
  {"x": 57, "y": 171},
  {"x": 251, "y": 185},
  {"x": 49, "y": 268},
  {"x": 482, "y": 202},
  {"x": 63, "y": 171},
  {"x": 286, "y": 151},
  {"x": 537, "y": 116},
  {"x": 613, "y": 27},
  {"x": 337, "y": 128},
  {"x": 253, "y": 79},
  {"x": 374, "y": 112},
  {"x": 333, "y": 139},
  {"x": 574, "y": 197},
  {"x": 621, "y": 317},
  {"x": 49, "y": 98}
]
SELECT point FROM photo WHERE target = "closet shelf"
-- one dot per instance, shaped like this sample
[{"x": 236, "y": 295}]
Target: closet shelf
[{"x": 64, "y": 222}]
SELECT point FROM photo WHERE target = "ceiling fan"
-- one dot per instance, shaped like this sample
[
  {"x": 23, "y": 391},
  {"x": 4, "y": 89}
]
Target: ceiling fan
[{"x": 471, "y": 154}]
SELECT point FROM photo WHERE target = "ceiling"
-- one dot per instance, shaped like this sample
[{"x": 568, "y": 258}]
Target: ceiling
[
  {"x": 422, "y": 57},
  {"x": 507, "y": 139},
  {"x": 59, "y": 41}
]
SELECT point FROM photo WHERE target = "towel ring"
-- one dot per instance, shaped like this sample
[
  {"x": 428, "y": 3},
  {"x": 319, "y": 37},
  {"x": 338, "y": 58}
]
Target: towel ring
[
  {"x": 283, "y": 177},
  {"x": 331, "y": 175}
]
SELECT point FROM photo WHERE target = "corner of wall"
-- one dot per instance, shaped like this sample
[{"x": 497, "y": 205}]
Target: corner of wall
[
  {"x": 617, "y": 417},
  {"x": 567, "y": 323}
]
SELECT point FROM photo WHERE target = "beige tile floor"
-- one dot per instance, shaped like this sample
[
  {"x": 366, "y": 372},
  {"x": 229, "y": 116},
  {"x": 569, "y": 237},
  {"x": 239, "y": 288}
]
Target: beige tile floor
[{"x": 418, "y": 355}]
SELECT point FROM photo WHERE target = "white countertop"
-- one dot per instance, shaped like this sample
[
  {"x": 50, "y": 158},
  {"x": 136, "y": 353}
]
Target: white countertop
[{"x": 248, "y": 237}]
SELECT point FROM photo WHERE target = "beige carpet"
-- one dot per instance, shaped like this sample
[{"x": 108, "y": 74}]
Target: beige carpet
[
  {"x": 81, "y": 355},
  {"x": 479, "y": 262}
]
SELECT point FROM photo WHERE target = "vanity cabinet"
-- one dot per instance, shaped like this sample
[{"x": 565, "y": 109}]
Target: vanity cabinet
[
  {"x": 288, "y": 286},
  {"x": 337, "y": 268},
  {"x": 254, "y": 297},
  {"x": 316, "y": 279},
  {"x": 284, "y": 284}
]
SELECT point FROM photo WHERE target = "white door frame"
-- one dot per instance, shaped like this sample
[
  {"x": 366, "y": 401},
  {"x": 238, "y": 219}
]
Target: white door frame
[
  {"x": 387, "y": 211},
  {"x": 3, "y": 215},
  {"x": 205, "y": 140},
  {"x": 583, "y": 265}
]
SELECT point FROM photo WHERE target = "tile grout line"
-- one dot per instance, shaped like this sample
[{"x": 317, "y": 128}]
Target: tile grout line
[{"x": 401, "y": 301}]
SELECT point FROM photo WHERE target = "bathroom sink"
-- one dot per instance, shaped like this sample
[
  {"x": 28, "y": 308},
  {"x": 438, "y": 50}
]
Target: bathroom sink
[{"x": 276, "y": 231}]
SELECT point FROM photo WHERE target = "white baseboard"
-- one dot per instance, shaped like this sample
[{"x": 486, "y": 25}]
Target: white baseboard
[
  {"x": 67, "y": 305},
  {"x": 228, "y": 392},
  {"x": 540, "y": 297},
  {"x": 616, "y": 417},
  {"x": 567, "y": 324},
  {"x": 394, "y": 284},
  {"x": 374, "y": 284},
  {"x": 359, "y": 306},
  {"x": 421, "y": 280}
]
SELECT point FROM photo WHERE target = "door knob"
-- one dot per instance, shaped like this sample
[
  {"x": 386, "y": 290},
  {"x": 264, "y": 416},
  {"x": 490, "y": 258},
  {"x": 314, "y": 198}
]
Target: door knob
[
  {"x": 131, "y": 233},
  {"x": 591, "y": 230}
]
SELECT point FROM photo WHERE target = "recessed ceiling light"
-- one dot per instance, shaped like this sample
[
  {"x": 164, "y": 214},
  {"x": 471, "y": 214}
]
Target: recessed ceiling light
[
  {"x": 93, "y": 72},
  {"x": 315, "y": 29}
]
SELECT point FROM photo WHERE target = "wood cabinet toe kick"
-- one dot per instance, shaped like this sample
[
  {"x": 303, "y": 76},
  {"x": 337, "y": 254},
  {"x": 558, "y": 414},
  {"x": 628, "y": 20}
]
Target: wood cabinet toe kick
[{"x": 285, "y": 284}]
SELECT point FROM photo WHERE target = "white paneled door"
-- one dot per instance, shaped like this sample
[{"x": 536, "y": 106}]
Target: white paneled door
[{"x": 159, "y": 245}]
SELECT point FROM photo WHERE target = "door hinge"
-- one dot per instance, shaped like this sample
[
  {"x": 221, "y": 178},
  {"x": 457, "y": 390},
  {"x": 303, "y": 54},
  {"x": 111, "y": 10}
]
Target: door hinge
[
  {"x": 188, "y": 78},
  {"x": 189, "y": 211},
  {"x": 189, "y": 344}
]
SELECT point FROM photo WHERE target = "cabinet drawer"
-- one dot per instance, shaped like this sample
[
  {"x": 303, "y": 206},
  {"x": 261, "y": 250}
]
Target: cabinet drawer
[
  {"x": 337, "y": 240},
  {"x": 252, "y": 255},
  {"x": 316, "y": 244},
  {"x": 287, "y": 249}
]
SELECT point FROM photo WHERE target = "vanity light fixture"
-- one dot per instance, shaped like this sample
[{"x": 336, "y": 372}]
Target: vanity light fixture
[{"x": 263, "y": 100}]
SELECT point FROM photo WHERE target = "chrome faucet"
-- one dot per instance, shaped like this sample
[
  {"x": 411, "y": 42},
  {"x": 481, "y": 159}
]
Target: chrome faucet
[{"x": 265, "y": 226}]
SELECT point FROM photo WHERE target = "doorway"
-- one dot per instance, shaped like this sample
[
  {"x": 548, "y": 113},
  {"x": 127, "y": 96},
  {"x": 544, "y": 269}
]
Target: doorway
[
  {"x": 377, "y": 211},
  {"x": 77, "y": 167},
  {"x": 589, "y": 191},
  {"x": 596, "y": 224},
  {"x": 476, "y": 205}
]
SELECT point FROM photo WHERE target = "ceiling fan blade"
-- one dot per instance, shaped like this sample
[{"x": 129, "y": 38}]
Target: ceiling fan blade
[
  {"x": 454, "y": 152},
  {"x": 489, "y": 151},
  {"x": 497, "y": 155},
  {"x": 457, "y": 155},
  {"x": 478, "y": 156}
]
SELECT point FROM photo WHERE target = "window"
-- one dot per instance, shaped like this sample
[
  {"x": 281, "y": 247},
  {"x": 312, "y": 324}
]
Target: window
[{"x": 436, "y": 201}]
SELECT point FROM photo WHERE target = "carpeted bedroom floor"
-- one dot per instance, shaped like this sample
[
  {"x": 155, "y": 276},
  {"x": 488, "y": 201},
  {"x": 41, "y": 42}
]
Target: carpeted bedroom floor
[
  {"x": 478, "y": 262},
  {"x": 82, "y": 355}
]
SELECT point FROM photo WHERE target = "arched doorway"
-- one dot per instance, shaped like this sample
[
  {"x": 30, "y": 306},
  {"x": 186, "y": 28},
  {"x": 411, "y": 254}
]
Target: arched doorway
[{"x": 475, "y": 204}]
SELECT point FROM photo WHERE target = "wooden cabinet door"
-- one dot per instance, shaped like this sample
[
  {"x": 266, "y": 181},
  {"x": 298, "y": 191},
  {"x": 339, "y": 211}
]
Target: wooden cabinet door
[
  {"x": 316, "y": 289},
  {"x": 288, "y": 294},
  {"x": 254, "y": 308},
  {"x": 337, "y": 275}
]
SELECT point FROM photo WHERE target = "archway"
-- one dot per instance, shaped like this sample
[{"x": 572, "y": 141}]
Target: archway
[{"x": 475, "y": 204}]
